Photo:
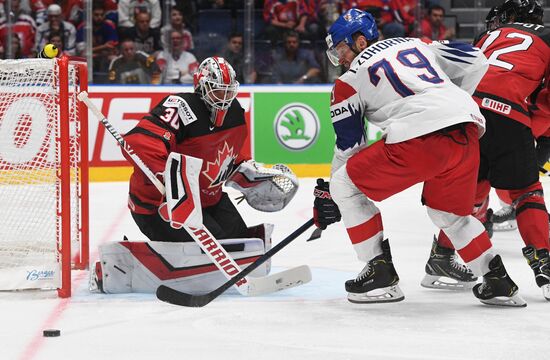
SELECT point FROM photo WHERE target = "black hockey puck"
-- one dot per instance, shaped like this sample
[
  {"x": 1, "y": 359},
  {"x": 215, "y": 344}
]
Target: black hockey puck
[{"x": 51, "y": 333}]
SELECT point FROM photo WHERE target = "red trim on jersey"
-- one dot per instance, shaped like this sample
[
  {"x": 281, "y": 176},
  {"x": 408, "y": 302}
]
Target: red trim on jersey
[
  {"x": 366, "y": 230},
  {"x": 341, "y": 91},
  {"x": 163, "y": 271},
  {"x": 475, "y": 248},
  {"x": 521, "y": 57}
]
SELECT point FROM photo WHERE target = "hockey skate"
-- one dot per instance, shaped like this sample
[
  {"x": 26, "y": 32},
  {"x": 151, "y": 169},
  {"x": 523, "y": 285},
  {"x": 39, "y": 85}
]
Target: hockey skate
[
  {"x": 443, "y": 271},
  {"x": 539, "y": 261},
  {"x": 377, "y": 282},
  {"x": 95, "y": 284},
  {"x": 497, "y": 287},
  {"x": 504, "y": 219}
]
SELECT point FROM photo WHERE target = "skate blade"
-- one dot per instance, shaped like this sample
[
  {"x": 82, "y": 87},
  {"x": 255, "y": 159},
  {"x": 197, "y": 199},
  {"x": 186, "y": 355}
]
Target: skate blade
[
  {"x": 388, "y": 294},
  {"x": 546, "y": 291},
  {"x": 512, "y": 301},
  {"x": 445, "y": 283},
  {"x": 505, "y": 226}
]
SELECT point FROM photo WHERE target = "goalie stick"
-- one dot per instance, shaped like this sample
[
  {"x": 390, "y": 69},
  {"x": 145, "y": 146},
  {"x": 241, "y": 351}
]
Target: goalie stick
[
  {"x": 176, "y": 297},
  {"x": 208, "y": 243}
]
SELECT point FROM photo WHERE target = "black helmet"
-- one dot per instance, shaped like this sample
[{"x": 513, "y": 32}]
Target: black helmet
[
  {"x": 528, "y": 11},
  {"x": 492, "y": 19}
]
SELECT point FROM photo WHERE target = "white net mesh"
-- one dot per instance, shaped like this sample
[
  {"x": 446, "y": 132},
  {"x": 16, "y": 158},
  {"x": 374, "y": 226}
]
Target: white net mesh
[{"x": 29, "y": 173}]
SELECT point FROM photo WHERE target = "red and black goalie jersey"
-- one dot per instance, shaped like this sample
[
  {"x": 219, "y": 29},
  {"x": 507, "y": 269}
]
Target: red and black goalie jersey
[
  {"x": 519, "y": 58},
  {"x": 181, "y": 123}
]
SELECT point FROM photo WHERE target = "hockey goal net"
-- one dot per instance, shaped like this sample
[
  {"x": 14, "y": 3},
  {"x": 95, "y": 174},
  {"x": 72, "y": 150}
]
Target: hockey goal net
[{"x": 43, "y": 174}]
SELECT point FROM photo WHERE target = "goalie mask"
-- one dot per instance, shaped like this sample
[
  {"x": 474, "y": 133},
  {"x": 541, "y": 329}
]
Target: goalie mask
[{"x": 215, "y": 81}]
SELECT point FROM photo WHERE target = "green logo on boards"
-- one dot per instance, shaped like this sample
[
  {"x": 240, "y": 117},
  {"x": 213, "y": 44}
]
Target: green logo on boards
[{"x": 297, "y": 126}]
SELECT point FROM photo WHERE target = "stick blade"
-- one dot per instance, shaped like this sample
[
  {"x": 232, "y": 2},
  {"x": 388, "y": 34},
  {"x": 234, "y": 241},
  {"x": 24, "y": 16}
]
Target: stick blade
[
  {"x": 174, "y": 297},
  {"x": 316, "y": 234},
  {"x": 283, "y": 280}
]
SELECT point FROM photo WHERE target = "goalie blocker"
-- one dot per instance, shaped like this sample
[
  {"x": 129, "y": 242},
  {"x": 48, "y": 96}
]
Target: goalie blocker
[{"x": 136, "y": 266}]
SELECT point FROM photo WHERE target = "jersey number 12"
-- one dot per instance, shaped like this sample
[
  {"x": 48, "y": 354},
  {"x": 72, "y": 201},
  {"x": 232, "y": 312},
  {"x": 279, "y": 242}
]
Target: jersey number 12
[{"x": 525, "y": 43}]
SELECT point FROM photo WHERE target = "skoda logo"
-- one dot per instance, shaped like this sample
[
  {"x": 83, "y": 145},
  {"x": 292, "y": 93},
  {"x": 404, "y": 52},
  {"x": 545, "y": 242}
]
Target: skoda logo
[{"x": 297, "y": 126}]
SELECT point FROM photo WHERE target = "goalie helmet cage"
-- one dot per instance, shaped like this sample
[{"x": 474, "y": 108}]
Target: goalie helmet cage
[{"x": 43, "y": 173}]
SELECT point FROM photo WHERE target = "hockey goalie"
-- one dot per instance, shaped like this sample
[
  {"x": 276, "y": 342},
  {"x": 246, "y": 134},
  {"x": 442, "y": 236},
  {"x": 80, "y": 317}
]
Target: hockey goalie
[{"x": 208, "y": 127}]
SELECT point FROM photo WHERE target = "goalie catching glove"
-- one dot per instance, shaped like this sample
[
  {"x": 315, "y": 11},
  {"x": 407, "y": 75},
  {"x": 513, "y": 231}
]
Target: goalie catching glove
[
  {"x": 325, "y": 210},
  {"x": 264, "y": 189}
]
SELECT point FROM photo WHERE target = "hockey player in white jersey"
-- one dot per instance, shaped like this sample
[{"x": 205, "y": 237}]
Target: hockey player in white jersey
[{"x": 419, "y": 95}]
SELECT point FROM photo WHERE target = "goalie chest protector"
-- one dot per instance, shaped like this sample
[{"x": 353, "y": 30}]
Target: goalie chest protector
[{"x": 219, "y": 147}]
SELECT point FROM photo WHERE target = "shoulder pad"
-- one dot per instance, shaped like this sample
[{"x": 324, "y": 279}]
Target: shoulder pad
[
  {"x": 539, "y": 30},
  {"x": 185, "y": 112}
]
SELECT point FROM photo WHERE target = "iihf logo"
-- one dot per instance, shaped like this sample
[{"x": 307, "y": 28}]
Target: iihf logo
[{"x": 297, "y": 126}]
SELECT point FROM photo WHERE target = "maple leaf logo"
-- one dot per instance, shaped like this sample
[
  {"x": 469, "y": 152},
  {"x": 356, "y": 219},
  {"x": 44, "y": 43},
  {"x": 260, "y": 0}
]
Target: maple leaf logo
[{"x": 220, "y": 169}]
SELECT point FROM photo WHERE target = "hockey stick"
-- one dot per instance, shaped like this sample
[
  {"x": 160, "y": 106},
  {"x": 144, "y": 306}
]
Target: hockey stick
[
  {"x": 315, "y": 234},
  {"x": 175, "y": 297},
  {"x": 208, "y": 243}
]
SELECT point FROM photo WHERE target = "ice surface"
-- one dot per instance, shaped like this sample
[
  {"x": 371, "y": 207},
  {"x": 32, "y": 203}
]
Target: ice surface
[{"x": 314, "y": 321}]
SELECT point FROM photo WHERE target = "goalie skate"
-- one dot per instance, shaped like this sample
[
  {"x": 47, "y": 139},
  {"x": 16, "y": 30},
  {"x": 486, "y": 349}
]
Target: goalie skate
[
  {"x": 497, "y": 287},
  {"x": 539, "y": 261},
  {"x": 377, "y": 282},
  {"x": 443, "y": 271}
]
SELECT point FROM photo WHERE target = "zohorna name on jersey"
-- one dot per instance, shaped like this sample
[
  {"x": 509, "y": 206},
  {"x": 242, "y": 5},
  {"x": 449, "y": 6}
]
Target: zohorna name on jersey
[{"x": 378, "y": 47}]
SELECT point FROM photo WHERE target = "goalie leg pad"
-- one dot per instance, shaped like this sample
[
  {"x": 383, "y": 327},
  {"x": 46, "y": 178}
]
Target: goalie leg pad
[{"x": 143, "y": 266}]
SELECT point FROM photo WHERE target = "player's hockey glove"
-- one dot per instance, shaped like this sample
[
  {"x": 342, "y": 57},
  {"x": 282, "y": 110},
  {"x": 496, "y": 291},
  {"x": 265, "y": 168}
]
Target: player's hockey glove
[{"x": 325, "y": 210}]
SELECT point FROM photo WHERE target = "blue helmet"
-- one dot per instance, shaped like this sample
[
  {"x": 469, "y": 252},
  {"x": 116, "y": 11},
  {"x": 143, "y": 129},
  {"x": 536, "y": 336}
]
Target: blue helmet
[{"x": 351, "y": 22}]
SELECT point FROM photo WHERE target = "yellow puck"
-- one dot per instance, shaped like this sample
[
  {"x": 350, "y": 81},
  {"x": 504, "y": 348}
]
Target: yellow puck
[{"x": 50, "y": 51}]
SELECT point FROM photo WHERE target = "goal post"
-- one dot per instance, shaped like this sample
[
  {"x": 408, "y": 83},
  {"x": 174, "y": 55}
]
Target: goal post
[{"x": 43, "y": 173}]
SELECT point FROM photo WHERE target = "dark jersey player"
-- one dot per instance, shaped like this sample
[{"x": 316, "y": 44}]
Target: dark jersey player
[
  {"x": 518, "y": 52},
  {"x": 208, "y": 124}
]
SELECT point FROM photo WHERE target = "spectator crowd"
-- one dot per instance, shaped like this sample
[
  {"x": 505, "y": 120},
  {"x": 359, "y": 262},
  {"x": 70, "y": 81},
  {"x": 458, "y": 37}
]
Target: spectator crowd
[{"x": 163, "y": 41}]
